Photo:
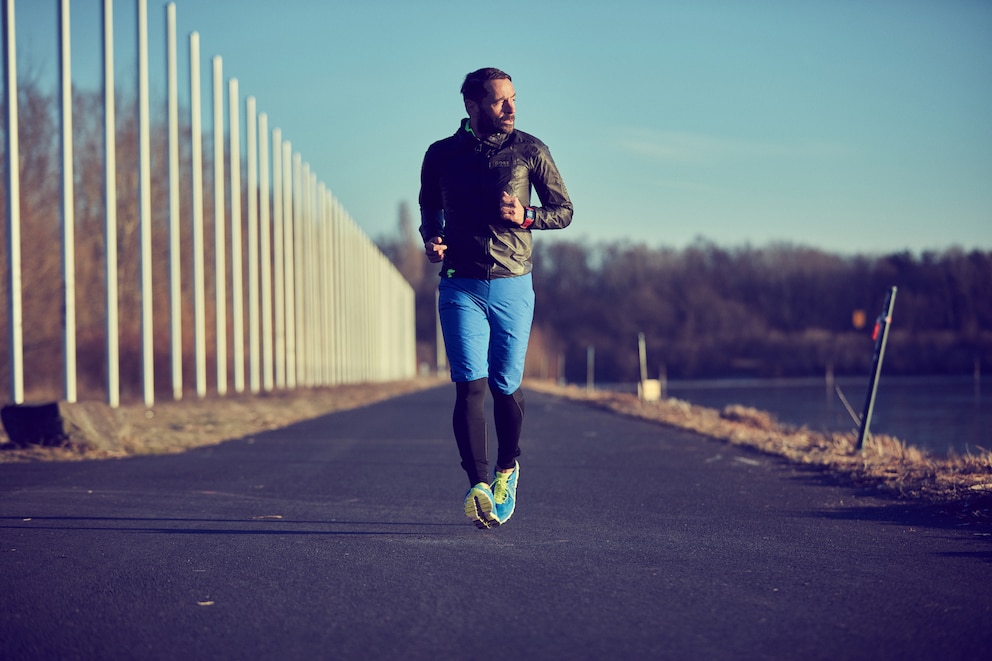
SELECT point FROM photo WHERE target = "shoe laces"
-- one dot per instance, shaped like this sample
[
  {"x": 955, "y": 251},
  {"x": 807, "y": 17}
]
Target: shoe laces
[{"x": 501, "y": 488}]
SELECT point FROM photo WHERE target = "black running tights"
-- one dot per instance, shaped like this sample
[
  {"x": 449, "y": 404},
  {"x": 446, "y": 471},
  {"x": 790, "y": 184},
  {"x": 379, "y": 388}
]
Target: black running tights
[{"x": 469, "y": 423}]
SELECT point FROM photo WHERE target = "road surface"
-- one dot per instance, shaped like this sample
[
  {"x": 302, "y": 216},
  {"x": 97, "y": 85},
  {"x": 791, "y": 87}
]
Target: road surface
[{"x": 343, "y": 537}]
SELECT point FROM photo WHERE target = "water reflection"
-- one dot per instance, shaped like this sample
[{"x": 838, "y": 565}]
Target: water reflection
[{"x": 935, "y": 413}]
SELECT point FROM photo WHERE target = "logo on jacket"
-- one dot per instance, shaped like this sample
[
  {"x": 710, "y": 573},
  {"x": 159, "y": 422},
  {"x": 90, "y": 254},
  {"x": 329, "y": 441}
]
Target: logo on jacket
[{"x": 499, "y": 163}]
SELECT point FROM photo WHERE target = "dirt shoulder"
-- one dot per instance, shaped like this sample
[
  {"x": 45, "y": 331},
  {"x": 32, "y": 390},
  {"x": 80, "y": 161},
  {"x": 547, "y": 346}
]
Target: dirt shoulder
[
  {"x": 172, "y": 427},
  {"x": 957, "y": 485}
]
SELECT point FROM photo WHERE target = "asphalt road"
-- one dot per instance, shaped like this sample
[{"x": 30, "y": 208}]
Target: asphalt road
[{"x": 344, "y": 538}]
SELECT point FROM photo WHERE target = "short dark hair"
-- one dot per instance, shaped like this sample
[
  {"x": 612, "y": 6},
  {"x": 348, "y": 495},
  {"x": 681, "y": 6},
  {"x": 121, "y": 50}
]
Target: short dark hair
[{"x": 474, "y": 87}]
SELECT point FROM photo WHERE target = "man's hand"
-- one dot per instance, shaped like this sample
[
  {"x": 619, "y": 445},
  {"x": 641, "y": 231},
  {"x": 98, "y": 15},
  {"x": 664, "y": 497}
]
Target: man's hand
[
  {"x": 510, "y": 209},
  {"x": 434, "y": 248}
]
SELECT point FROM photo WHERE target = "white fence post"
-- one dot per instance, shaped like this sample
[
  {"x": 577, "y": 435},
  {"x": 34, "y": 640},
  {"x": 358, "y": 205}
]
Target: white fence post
[
  {"x": 220, "y": 234},
  {"x": 237, "y": 245},
  {"x": 15, "y": 321},
  {"x": 199, "y": 288},
  {"x": 145, "y": 207},
  {"x": 278, "y": 288},
  {"x": 110, "y": 200},
  {"x": 254, "y": 338},
  {"x": 68, "y": 201},
  {"x": 265, "y": 248},
  {"x": 175, "y": 265},
  {"x": 288, "y": 280},
  {"x": 298, "y": 274}
]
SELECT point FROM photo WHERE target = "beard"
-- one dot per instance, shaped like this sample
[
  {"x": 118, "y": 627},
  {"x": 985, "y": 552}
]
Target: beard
[{"x": 491, "y": 125}]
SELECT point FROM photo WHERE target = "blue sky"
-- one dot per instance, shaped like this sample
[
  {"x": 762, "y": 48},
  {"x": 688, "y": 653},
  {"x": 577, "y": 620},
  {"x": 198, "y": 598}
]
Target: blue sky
[{"x": 854, "y": 126}]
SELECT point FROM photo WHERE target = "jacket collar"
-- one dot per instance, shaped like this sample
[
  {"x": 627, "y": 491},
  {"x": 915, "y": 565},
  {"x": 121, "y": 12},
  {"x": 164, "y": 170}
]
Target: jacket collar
[{"x": 491, "y": 142}]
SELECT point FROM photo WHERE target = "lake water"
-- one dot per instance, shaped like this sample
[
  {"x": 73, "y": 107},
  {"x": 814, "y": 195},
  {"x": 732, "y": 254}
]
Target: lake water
[{"x": 933, "y": 413}]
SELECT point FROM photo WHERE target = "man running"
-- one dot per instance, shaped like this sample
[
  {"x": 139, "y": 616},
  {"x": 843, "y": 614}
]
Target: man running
[{"x": 476, "y": 220}]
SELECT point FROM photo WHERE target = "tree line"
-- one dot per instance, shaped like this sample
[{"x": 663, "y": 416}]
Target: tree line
[
  {"x": 711, "y": 311},
  {"x": 705, "y": 310}
]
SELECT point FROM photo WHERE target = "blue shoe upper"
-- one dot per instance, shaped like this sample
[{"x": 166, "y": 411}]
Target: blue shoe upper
[{"x": 505, "y": 494}]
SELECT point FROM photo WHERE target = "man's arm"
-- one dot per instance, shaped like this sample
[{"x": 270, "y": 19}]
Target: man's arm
[
  {"x": 431, "y": 212},
  {"x": 555, "y": 211},
  {"x": 431, "y": 205}
]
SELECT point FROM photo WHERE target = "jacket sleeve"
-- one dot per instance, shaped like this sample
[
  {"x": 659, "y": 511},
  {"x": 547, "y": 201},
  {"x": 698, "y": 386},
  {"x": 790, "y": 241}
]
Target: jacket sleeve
[
  {"x": 431, "y": 205},
  {"x": 555, "y": 211}
]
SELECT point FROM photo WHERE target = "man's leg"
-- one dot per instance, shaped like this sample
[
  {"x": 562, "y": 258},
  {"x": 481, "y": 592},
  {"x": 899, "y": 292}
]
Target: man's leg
[
  {"x": 511, "y": 312},
  {"x": 508, "y": 411},
  {"x": 469, "y": 424},
  {"x": 461, "y": 307}
]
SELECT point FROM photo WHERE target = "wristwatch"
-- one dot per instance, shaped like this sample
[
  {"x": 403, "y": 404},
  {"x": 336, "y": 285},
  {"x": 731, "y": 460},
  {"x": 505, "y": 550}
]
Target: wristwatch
[{"x": 528, "y": 217}]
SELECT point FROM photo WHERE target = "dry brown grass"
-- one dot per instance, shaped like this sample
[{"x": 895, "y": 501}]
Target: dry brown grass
[
  {"x": 172, "y": 427},
  {"x": 959, "y": 484}
]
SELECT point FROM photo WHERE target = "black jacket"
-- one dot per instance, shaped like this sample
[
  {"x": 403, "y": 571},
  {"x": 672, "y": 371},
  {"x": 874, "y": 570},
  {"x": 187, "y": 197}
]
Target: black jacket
[{"x": 460, "y": 186}]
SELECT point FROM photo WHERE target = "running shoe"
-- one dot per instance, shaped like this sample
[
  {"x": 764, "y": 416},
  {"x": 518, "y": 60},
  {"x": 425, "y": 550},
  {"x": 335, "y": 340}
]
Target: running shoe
[
  {"x": 505, "y": 493},
  {"x": 479, "y": 506}
]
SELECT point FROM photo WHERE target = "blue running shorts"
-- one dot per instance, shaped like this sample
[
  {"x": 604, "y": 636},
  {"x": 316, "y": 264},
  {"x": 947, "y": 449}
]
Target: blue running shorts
[{"x": 486, "y": 326}]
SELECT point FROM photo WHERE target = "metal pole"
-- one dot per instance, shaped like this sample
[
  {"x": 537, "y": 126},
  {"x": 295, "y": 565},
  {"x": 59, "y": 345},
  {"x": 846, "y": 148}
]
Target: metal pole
[
  {"x": 352, "y": 316},
  {"x": 406, "y": 363},
  {"x": 287, "y": 226},
  {"x": 320, "y": 278},
  {"x": 298, "y": 297},
  {"x": 145, "y": 201},
  {"x": 316, "y": 275},
  {"x": 278, "y": 288},
  {"x": 255, "y": 373},
  {"x": 110, "y": 200},
  {"x": 388, "y": 323},
  {"x": 306, "y": 245},
  {"x": 881, "y": 338},
  {"x": 376, "y": 297},
  {"x": 199, "y": 303},
  {"x": 327, "y": 298},
  {"x": 337, "y": 325},
  {"x": 278, "y": 341},
  {"x": 265, "y": 249},
  {"x": 367, "y": 298},
  {"x": 310, "y": 282},
  {"x": 175, "y": 265},
  {"x": 353, "y": 344},
  {"x": 14, "y": 318},
  {"x": 317, "y": 356},
  {"x": 68, "y": 199},
  {"x": 370, "y": 301},
  {"x": 590, "y": 367},
  {"x": 355, "y": 317},
  {"x": 642, "y": 354},
  {"x": 344, "y": 298},
  {"x": 344, "y": 302},
  {"x": 220, "y": 233},
  {"x": 237, "y": 266}
]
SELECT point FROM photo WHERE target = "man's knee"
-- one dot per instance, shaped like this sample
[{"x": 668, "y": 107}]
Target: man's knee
[{"x": 470, "y": 391}]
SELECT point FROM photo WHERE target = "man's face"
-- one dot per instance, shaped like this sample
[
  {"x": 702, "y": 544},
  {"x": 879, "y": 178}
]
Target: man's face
[{"x": 497, "y": 111}]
